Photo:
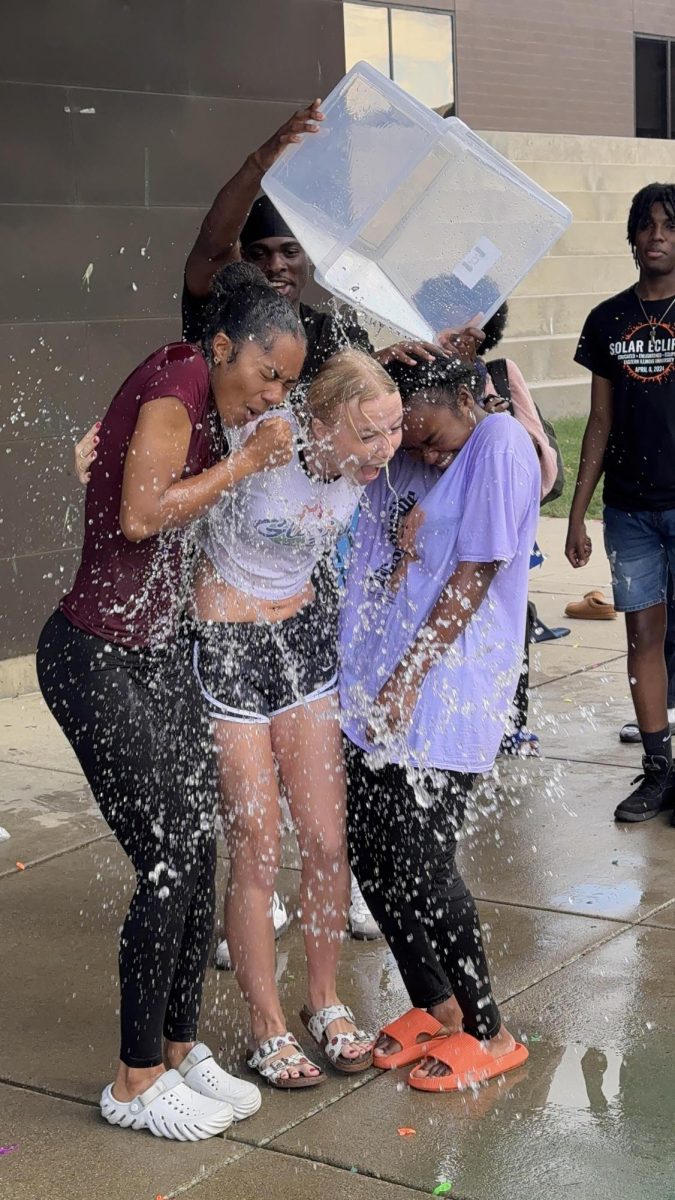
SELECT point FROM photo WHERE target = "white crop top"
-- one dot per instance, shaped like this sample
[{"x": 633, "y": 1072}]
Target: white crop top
[{"x": 267, "y": 534}]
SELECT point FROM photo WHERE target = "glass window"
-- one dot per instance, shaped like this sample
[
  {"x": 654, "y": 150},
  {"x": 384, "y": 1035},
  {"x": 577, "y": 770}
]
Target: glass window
[
  {"x": 652, "y": 88},
  {"x": 421, "y": 45},
  {"x": 367, "y": 36},
  {"x": 411, "y": 46}
]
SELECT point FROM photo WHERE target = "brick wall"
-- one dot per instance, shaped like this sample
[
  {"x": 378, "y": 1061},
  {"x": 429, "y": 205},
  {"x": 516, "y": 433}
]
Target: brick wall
[
  {"x": 654, "y": 16},
  {"x": 538, "y": 65},
  {"x": 551, "y": 66}
]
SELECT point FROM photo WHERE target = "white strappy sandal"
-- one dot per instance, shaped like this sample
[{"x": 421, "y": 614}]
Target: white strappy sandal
[
  {"x": 317, "y": 1024},
  {"x": 203, "y": 1074},
  {"x": 272, "y": 1068},
  {"x": 169, "y": 1109}
]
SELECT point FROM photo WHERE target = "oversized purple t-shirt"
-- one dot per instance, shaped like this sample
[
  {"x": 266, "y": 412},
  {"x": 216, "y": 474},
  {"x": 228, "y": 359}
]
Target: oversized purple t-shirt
[{"x": 483, "y": 508}]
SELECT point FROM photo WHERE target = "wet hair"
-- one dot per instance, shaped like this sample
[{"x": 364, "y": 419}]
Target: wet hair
[
  {"x": 641, "y": 207},
  {"x": 437, "y": 382},
  {"x": 244, "y": 306},
  {"x": 348, "y": 375},
  {"x": 445, "y": 302},
  {"x": 494, "y": 329}
]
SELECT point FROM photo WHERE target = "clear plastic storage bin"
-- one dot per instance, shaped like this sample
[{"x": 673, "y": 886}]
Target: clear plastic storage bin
[{"x": 407, "y": 215}]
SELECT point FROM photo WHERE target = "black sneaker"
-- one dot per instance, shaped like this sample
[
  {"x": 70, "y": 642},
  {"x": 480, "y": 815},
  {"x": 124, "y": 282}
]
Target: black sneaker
[{"x": 656, "y": 791}]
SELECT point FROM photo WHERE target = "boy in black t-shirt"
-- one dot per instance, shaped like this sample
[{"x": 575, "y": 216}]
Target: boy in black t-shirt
[{"x": 628, "y": 342}]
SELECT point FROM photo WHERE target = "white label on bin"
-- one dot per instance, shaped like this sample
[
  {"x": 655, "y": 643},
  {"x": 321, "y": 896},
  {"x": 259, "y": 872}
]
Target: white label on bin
[{"x": 477, "y": 262}]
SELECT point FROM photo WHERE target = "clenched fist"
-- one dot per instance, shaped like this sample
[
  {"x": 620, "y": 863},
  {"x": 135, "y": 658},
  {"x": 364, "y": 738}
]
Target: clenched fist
[{"x": 270, "y": 445}]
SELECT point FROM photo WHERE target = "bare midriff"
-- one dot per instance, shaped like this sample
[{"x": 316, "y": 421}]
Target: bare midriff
[{"x": 216, "y": 600}]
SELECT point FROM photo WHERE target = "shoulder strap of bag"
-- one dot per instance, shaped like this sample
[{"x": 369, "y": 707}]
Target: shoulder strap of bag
[
  {"x": 558, "y": 486},
  {"x": 498, "y": 372}
]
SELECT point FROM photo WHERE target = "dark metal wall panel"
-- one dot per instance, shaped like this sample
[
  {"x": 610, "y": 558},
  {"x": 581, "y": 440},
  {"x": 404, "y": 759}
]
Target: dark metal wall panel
[{"x": 119, "y": 123}]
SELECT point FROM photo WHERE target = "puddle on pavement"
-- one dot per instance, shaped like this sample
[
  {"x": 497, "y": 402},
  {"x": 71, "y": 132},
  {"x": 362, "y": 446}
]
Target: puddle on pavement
[
  {"x": 607, "y": 899},
  {"x": 587, "y": 1079}
]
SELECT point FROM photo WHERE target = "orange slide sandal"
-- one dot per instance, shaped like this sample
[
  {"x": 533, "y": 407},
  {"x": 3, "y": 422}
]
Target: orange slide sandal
[
  {"x": 406, "y": 1030},
  {"x": 469, "y": 1064}
]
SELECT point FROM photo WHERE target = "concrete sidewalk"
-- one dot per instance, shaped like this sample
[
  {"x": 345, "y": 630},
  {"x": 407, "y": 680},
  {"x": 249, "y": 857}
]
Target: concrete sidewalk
[{"x": 580, "y": 919}]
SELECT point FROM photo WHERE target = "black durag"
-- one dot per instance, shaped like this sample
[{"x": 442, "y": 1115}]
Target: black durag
[{"x": 264, "y": 221}]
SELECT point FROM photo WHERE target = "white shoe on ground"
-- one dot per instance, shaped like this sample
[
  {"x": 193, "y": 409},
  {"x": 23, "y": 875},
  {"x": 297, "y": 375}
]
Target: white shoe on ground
[
  {"x": 169, "y": 1109},
  {"x": 281, "y": 922},
  {"x": 201, "y": 1072},
  {"x": 362, "y": 924}
]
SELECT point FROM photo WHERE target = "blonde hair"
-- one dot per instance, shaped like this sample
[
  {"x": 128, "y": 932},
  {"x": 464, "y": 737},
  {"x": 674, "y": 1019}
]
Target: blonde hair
[{"x": 348, "y": 375}]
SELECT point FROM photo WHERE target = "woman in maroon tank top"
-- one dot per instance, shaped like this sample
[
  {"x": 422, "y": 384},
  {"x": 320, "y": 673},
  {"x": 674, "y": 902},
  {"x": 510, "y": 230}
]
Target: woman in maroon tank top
[{"x": 117, "y": 679}]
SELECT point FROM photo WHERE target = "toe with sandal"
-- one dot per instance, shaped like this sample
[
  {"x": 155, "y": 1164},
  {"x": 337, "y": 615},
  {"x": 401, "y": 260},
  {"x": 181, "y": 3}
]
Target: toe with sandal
[
  {"x": 334, "y": 1045},
  {"x": 275, "y": 1067},
  {"x": 415, "y": 1032},
  {"x": 593, "y": 607},
  {"x": 468, "y": 1064},
  {"x": 423, "y": 1040}
]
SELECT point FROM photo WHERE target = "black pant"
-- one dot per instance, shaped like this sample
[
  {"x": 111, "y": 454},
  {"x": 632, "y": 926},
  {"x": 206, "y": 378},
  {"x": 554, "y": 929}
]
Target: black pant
[
  {"x": 521, "y": 700},
  {"x": 135, "y": 720},
  {"x": 402, "y": 827}
]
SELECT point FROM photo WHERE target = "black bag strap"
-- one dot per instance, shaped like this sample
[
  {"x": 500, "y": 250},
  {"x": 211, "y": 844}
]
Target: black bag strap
[
  {"x": 559, "y": 485},
  {"x": 499, "y": 374}
]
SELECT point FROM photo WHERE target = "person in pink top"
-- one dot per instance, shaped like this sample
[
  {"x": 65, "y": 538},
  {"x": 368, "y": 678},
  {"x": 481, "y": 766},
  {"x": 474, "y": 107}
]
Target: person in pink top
[
  {"x": 522, "y": 405},
  {"x": 506, "y": 390}
]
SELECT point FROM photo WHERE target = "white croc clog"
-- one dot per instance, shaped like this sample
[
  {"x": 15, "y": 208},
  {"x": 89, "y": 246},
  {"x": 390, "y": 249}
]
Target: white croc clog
[
  {"x": 201, "y": 1072},
  {"x": 169, "y": 1109}
]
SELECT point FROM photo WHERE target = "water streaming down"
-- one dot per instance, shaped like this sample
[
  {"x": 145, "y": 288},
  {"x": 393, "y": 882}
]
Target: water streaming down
[{"x": 189, "y": 543}]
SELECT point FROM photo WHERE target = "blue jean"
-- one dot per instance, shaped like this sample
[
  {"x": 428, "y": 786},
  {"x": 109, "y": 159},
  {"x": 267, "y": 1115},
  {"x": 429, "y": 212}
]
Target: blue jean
[{"x": 641, "y": 551}]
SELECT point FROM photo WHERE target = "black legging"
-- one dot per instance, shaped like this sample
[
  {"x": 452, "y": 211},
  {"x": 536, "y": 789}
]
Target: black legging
[
  {"x": 403, "y": 855},
  {"x": 521, "y": 700},
  {"x": 135, "y": 721}
]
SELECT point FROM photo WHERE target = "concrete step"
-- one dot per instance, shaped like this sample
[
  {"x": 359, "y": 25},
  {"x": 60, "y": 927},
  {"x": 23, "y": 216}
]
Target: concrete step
[
  {"x": 594, "y": 237},
  {"x": 531, "y": 316},
  {"x": 563, "y": 397},
  {"x": 593, "y": 177},
  {"x": 598, "y": 206},
  {"x": 544, "y": 358},
  {"x": 565, "y": 147},
  {"x": 575, "y": 273}
]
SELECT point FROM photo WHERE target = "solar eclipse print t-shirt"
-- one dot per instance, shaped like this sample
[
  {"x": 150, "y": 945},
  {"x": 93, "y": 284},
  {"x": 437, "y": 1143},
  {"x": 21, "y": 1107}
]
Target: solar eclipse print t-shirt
[{"x": 635, "y": 351}]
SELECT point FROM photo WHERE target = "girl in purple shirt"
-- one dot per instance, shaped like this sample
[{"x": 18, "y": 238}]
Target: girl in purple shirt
[{"x": 432, "y": 628}]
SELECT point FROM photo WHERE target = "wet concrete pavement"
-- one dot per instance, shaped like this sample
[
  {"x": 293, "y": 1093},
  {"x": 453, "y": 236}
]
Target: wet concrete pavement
[{"x": 579, "y": 915}]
